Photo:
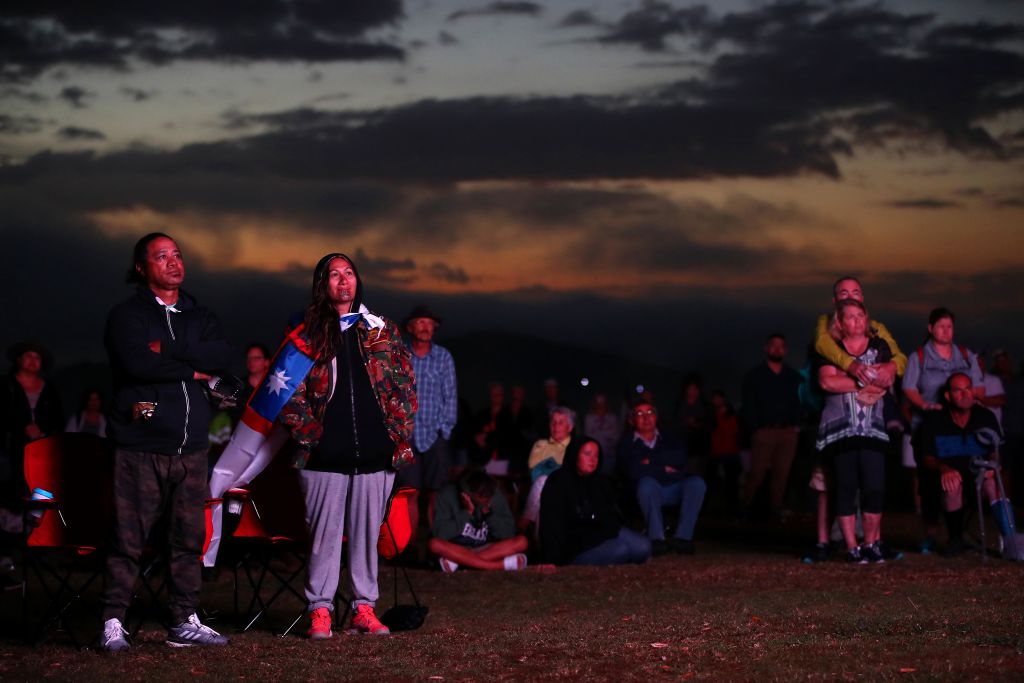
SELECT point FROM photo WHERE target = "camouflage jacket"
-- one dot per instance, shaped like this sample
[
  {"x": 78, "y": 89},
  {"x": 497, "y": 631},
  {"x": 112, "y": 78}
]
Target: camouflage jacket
[{"x": 387, "y": 363}]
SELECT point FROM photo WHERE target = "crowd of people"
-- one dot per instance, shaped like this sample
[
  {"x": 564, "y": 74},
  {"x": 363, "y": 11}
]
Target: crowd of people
[{"x": 359, "y": 410}]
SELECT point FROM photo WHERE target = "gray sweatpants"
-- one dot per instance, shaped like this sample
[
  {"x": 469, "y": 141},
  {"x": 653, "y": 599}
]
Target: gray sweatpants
[{"x": 349, "y": 505}]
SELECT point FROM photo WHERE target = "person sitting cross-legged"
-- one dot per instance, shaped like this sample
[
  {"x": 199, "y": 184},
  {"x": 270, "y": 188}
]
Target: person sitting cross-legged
[{"x": 474, "y": 527}]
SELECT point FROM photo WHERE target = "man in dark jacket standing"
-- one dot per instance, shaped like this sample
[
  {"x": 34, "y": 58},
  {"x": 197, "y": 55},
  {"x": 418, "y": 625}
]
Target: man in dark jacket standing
[
  {"x": 771, "y": 415},
  {"x": 163, "y": 346}
]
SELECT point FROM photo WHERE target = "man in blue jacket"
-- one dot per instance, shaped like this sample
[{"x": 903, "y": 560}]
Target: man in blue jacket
[
  {"x": 163, "y": 347},
  {"x": 656, "y": 465}
]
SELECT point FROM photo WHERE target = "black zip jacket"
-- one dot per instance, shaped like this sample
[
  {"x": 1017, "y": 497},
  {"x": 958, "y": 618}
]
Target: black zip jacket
[
  {"x": 190, "y": 341},
  {"x": 354, "y": 440}
]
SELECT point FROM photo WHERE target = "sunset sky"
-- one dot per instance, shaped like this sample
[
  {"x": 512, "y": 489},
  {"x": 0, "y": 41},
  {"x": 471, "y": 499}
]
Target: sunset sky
[{"x": 583, "y": 171}]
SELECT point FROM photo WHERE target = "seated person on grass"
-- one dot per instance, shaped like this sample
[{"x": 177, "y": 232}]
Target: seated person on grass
[
  {"x": 473, "y": 526},
  {"x": 581, "y": 524}
]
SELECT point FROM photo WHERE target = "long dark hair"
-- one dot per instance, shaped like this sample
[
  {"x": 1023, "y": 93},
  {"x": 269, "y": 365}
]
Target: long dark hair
[
  {"x": 572, "y": 455},
  {"x": 323, "y": 327}
]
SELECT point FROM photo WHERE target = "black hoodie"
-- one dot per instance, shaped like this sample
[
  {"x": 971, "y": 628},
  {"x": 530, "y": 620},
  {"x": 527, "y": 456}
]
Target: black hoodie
[
  {"x": 577, "y": 512},
  {"x": 190, "y": 340}
]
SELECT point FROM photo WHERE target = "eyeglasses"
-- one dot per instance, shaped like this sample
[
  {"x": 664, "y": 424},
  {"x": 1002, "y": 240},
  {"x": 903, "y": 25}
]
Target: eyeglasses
[{"x": 643, "y": 413}]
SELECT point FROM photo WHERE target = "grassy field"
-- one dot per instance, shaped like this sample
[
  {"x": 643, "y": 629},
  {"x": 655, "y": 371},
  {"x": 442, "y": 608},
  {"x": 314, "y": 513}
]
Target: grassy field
[{"x": 743, "y": 608}]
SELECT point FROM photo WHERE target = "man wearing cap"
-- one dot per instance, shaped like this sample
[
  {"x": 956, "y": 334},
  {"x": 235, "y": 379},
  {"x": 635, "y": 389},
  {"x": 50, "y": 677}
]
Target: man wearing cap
[
  {"x": 163, "y": 346},
  {"x": 438, "y": 404}
]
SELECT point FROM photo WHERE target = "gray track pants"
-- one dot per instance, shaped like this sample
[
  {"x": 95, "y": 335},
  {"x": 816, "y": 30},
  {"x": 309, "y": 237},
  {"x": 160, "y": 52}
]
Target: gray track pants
[{"x": 343, "y": 505}]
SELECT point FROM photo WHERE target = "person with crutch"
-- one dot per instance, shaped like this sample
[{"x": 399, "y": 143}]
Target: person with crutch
[{"x": 962, "y": 441}]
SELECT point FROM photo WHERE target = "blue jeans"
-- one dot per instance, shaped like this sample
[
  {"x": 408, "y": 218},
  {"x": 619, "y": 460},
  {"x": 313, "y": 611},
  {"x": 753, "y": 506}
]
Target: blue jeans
[
  {"x": 688, "y": 494},
  {"x": 627, "y": 547}
]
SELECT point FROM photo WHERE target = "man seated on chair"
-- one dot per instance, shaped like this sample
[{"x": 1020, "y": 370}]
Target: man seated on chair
[
  {"x": 656, "y": 466},
  {"x": 951, "y": 439},
  {"x": 473, "y": 526}
]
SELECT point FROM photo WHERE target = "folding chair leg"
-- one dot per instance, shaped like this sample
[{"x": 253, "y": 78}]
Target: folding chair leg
[
  {"x": 979, "y": 480},
  {"x": 59, "y": 599}
]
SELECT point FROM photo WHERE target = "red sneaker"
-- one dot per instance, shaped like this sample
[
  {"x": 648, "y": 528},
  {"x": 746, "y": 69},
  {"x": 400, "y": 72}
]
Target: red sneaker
[
  {"x": 320, "y": 628},
  {"x": 365, "y": 621}
]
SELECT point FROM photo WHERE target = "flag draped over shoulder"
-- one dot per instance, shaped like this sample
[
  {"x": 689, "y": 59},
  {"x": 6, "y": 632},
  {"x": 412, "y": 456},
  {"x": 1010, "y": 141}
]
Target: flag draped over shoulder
[{"x": 258, "y": 436}]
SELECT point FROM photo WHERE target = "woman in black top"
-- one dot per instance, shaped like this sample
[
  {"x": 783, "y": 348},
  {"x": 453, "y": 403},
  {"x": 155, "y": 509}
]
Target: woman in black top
[{"x": 579, "y": 521}]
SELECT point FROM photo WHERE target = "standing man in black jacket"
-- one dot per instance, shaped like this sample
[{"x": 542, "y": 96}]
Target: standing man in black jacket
[
  {"x": 163, "y": 347},
  {"x": 771, "y": 415}
]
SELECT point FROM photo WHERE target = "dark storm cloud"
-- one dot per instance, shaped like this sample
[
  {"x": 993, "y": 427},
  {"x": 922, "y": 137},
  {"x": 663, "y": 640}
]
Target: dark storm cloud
[
  {"x": 652, "y": 25},
  {"x": 808, "y": 85},
  {"x": 809, "y": 61},
  {"x": 445, "y": 273},
  {"x": 506, "y": 138},
  {"x": 387, "y": 271},
  {"x": 75, "y": 96},
  {"x": 20, "y": 125},
  {"x": 191, "y": 180},
  {"x": 577, "y": 18},
  {"x": 530, "y": 9},
  {"x": 37, "y": 35},
  {"x": 137, "y": 94},
  {"x": 924, "y": 203},
  {"x": 553, "y": 138},
  {"x": 29, "y": 96},
  {"x": 659, "y": 237},
  {"x": 982, "y": 33},
  {"x": 74, "y": 133}
]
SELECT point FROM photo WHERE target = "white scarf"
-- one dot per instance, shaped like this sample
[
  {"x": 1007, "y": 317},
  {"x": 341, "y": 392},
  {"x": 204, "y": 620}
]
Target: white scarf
[{"x": 350, "y": 319}]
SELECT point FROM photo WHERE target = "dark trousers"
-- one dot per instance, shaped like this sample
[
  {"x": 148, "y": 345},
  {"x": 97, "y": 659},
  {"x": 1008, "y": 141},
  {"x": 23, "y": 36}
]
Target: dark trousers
[
  {"x": 771, "y": 448},
  {"x": 859, "y": 469},
  {"x": 146, "y": 486}
]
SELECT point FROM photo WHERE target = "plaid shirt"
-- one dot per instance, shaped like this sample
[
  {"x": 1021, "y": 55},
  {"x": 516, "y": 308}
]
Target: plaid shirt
[{"x": 436, "y": 394}]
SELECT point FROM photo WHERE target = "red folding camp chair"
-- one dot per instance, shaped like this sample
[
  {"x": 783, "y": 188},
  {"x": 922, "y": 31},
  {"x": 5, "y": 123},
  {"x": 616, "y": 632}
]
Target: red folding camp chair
[
  {"x": 396, "y": 531},
  {"x": 62, "y": 551},
  {"x": 395, "y": 534},
  {"x": 270, "y": 543}
]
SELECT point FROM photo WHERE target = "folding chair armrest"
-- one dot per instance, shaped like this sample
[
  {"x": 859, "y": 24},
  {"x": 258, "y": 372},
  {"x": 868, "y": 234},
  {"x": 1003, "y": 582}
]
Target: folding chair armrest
[
  {"x": 237, "y": 494},
  {"x": 33, "y": 504}
]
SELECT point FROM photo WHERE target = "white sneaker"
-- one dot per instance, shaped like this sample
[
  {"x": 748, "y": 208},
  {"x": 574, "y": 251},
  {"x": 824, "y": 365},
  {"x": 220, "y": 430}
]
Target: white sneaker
[
  {"x": 193, "y": 632},
  {"x": 114, "y": 636}
]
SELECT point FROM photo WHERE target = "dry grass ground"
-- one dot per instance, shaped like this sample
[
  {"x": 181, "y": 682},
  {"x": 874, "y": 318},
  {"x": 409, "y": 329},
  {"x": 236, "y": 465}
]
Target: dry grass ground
[{"x": 736, "y": 611}]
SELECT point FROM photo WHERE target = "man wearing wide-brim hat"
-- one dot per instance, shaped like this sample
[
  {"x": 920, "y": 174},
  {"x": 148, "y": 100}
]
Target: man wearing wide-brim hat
[{"x": 434, "y": 369}]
